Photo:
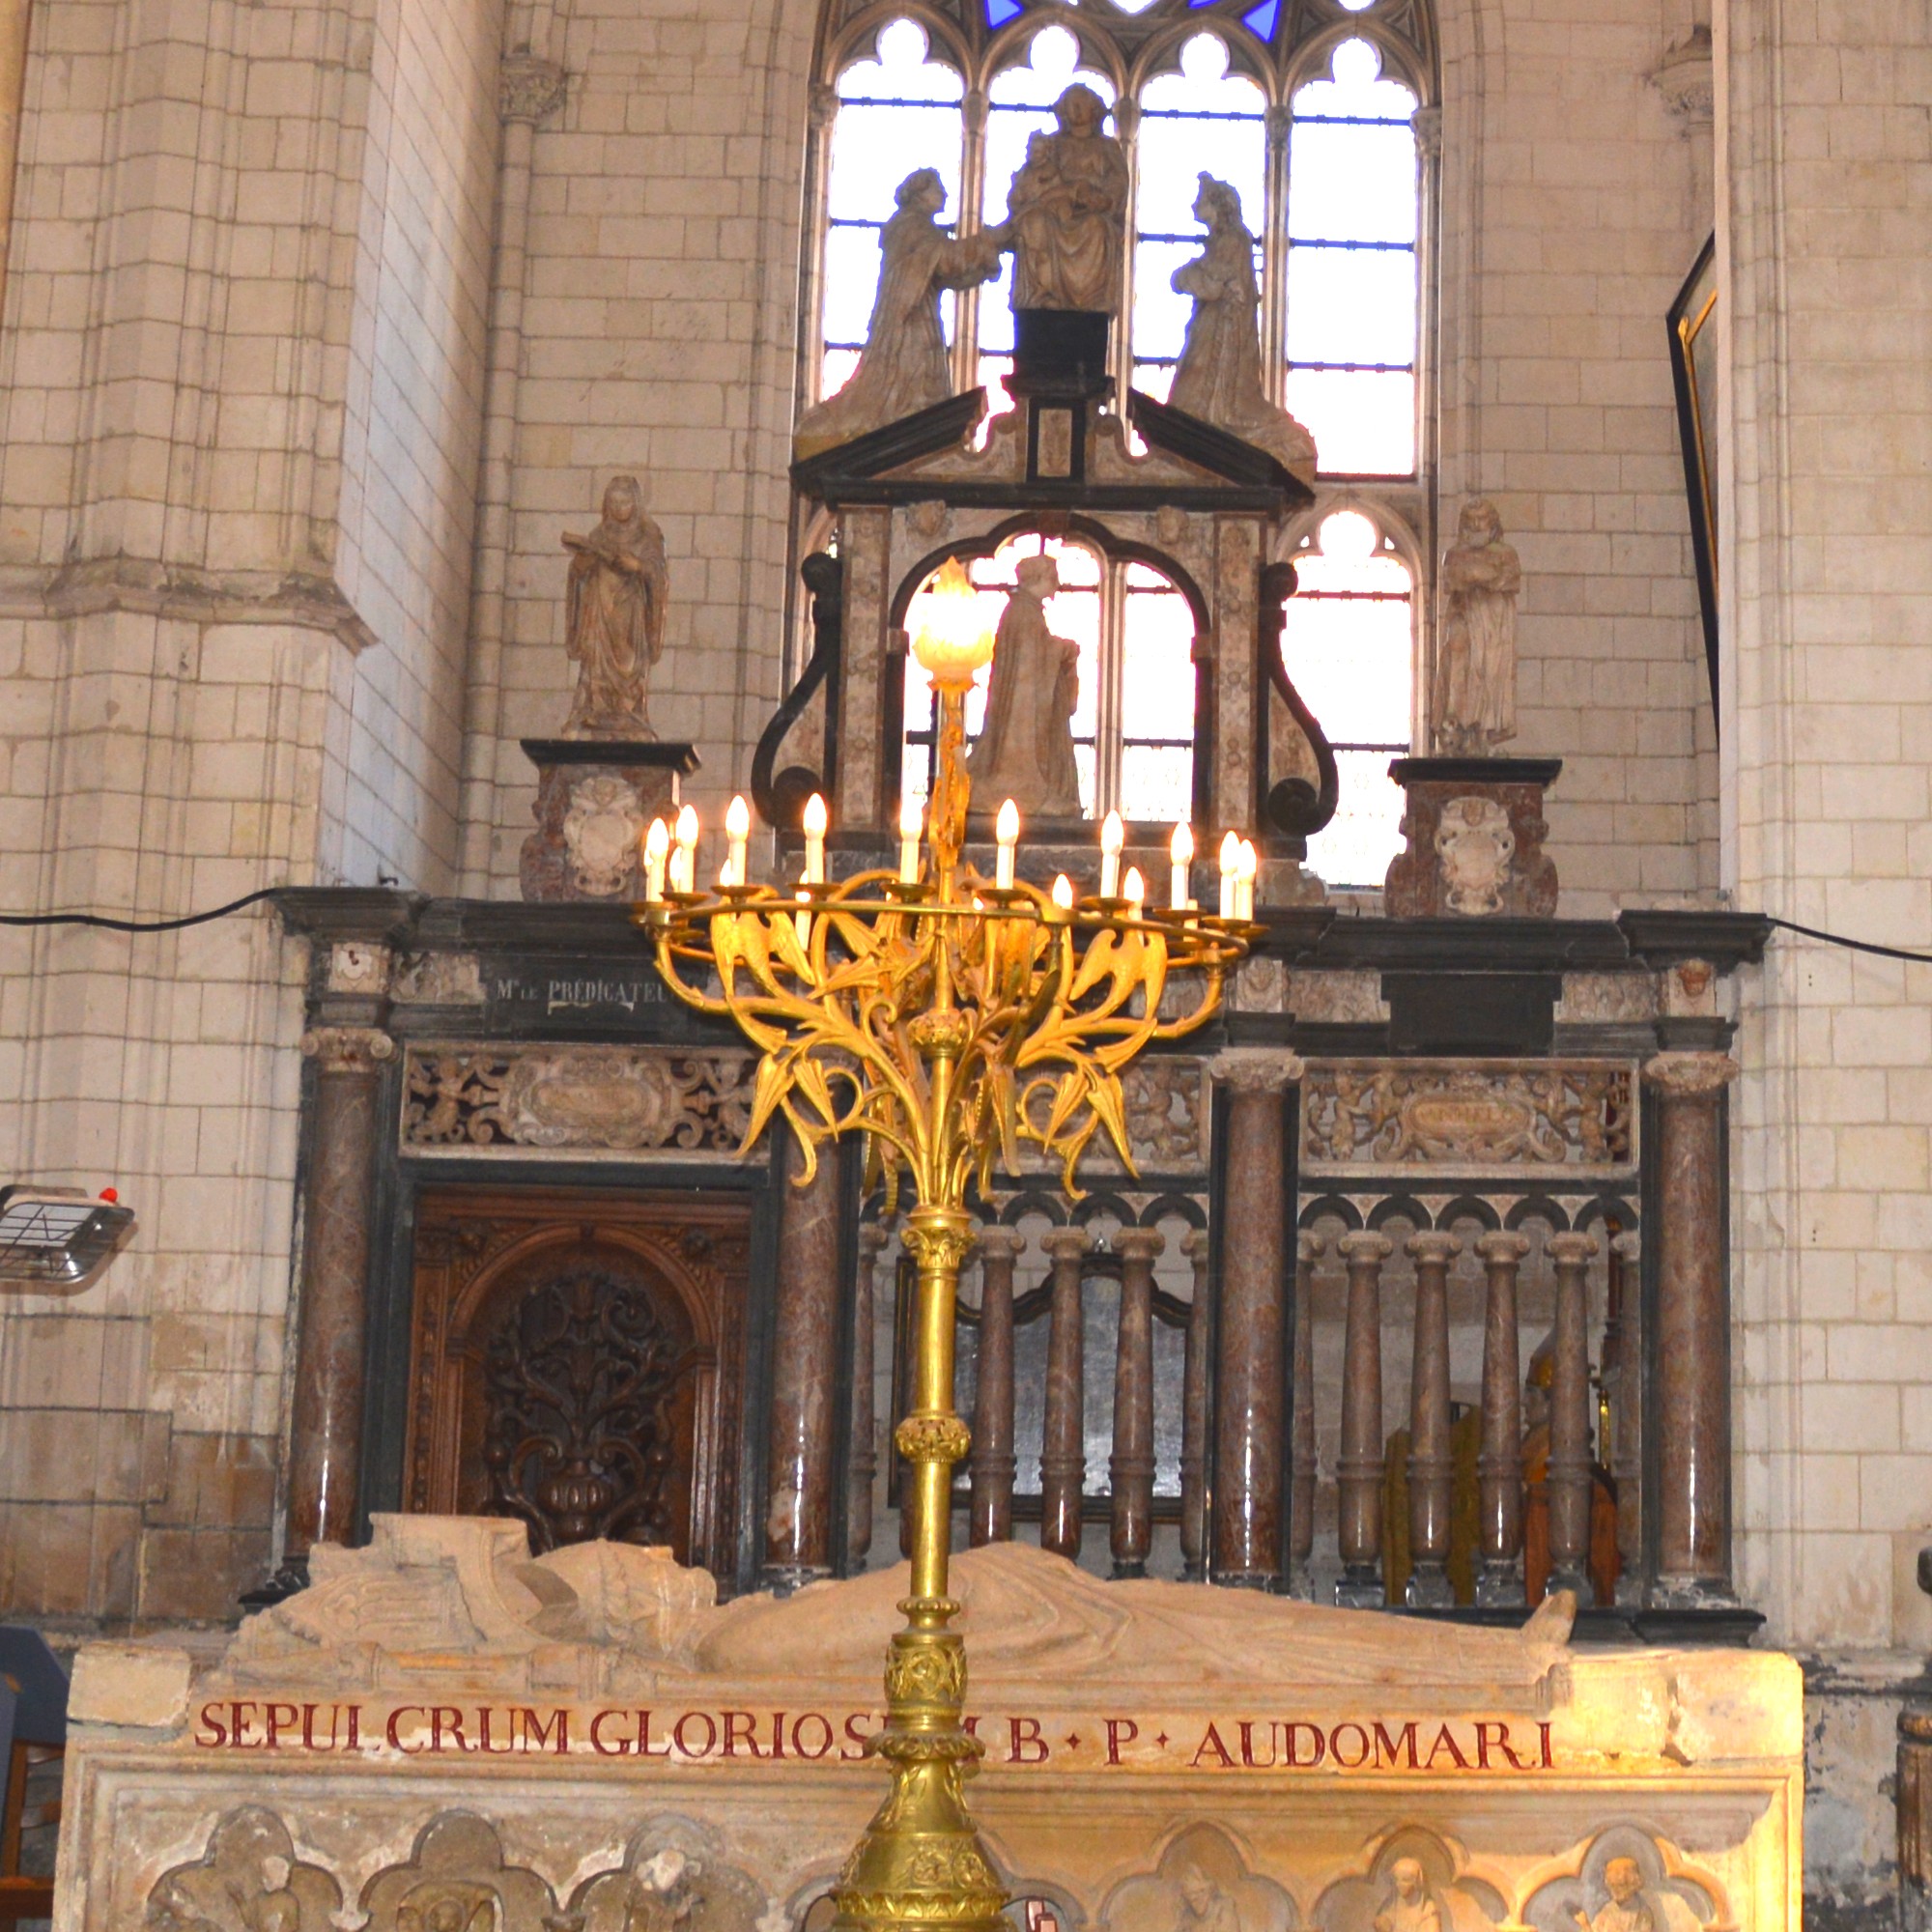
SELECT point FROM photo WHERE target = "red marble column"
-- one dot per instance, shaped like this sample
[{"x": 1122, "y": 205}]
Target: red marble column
[
  {"x": 1432, "y": 1462},
  {"x": 1693, "y": 1344},
  {"x": 1358, "y": 1470},
  {"x": 805, "y": 1354},
  {"x": 1063, "y": 1457},
  {"x": 1130, "y": 1468},
  {"x": 863, "y": 1459},
  {"x": 1626, "y": 1421},
  {"x": 1256, "y": 1279},
  {"x": 992, "y": 1464},
  {"x": 326, "y": 1429},
  {"x": 1570, "y": 1479},
  {"x": 1301, "y": 1463},
  {"x": 1197, "y": 1245},
  {"x": 1499, "y": 1465}
]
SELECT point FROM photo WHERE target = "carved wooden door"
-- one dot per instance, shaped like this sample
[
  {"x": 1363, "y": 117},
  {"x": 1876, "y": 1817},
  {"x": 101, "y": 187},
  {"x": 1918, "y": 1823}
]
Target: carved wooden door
[{"x": 576, "y": 1362}]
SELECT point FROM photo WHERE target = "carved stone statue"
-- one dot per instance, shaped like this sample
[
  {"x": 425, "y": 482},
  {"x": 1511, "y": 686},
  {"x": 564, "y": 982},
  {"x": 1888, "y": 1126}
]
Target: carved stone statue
[
  {"x": 1067, "y": 223},
  {"x": 1219, "y": 374},
  {"x": 1412, "y": 1908},
  {"x": 1475, "y": 671},
  {"x": 1204, "y": 1907},
  {"x": 615, "y": 616},
  {"x": 1025, "y": 752},
  {"x": 1624, "y": 1910},
  {"x": 903, "y": 367},
  {"x": 249, "y": 1881}
]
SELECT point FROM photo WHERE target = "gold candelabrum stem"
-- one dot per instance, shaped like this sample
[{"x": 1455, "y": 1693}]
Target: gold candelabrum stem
[{"x": 946, "y": 1021}]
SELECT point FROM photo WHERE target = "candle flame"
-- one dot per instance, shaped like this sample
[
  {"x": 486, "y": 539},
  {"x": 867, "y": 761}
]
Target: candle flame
[
  {"x": 738, "y": 819},
  {"x": 1181, "y": 847},
  {"x": 1006, "y": 827},
  {"x": 1133, "y": 886},
  {"x": 657, "y": 841},
  {"x": 687, "y": 827},
  {"x": 1231, "y": 853},
  {"x": 1112, "y": 834},
  {"x": 954, "y": 640},
  {"x": 817, "y": 817},
  {"x": 1063, "y": 893}
]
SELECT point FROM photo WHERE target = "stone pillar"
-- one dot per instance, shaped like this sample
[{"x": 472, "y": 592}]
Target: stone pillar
[
  {"x": 1625, "y": 1255},
  {"x": 1062, "y": 1453},
  {"x": 1257, "y": 1277},
  {"x": 1358, "y": 1470},
  {"x": 1130, "y": 1468},
  {"x": 326, "y": 1430},
  {"x": 1197, "y": 1245},
  {"x": 863, "y": 1457},
  {"x": 992, "y": 1462},
  {"x": 1500, "y": 1466},
  {"x": 1432, "y": 1462},
  {"x": 1914, "y": 1817},
  {"x": 805, "y": 1360},
  {"x": 1301, "y": 1464},
  {"x": 1570, "y": 1477},
  {"x": 1691, "y": 1349}
]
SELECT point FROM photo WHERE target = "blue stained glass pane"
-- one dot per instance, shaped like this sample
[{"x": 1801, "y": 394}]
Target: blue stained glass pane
[
  {"x": 1000, "y": 11},
  {"x": 1260, "y": 21}
]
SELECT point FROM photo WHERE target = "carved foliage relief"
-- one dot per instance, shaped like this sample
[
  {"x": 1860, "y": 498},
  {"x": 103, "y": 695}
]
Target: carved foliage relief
[
  {"x": 1576, "y": 1119},
  {"x": 613, "y": 1099}
]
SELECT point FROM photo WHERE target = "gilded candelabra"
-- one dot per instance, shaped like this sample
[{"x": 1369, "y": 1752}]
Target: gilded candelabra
[{"x": 947, "y": 1018}]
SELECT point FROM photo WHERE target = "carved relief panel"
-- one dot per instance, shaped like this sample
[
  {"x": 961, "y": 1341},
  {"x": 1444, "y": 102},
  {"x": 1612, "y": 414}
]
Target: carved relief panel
[{"x": 576, "y": 1364}]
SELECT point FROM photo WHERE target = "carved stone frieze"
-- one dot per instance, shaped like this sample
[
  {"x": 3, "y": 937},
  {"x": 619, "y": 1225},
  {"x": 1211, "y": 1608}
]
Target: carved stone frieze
[
  {"x": 439, "y": 980},
  {"x": 576, "y": 1099},
  {"x": 529, "y": 89},
  {"x": 1608, "y": 999},
  {"x": 248, "y": 1879},
  {"x": 1574, "y": 1118},
  {"x": 456, "y": 1880}
]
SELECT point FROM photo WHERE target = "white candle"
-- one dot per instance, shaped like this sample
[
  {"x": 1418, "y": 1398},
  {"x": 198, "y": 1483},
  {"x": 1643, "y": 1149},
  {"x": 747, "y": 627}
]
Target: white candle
[
  {"x": 684, "y": 867},
  {"x": 1135, "y": 889},
  {"x": 737, "y": 829},
  {"x": 1231, "y": 864},
  {"x": 1113, "y": 835},
  {"x": 1063, "y": 893},
  {"x": 1180, "y": 849},
  {"x": 817, "y": 818},
  {"x": 657, "y": 843},
  {"x": 911, "y": 818},
  {"x": 1244, "y": 882},
  {"x": 802, "y": 921},
  {"x": 1007, "y": 831}
]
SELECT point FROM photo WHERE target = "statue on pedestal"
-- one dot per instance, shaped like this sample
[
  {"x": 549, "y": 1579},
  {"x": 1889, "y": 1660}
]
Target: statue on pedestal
[
  {"x": 1624, "y": 1910},
  {"x": 1412, "y": 1908},
  {"x": 903, "y": 367},
  {"x": 1067, "y": 219},
  {"x": 1025, "y": 751},
  {"x": 1219, "y": 374},
  {"x": 615, "y": 616},
  {"x": 1475, "y": 707}
]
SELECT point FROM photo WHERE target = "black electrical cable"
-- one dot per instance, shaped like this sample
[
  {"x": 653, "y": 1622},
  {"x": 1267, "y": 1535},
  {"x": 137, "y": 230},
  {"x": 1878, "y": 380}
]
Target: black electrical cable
[
  {"x": 137, "y": 925},
  {"x": 1855, "y": 945}
]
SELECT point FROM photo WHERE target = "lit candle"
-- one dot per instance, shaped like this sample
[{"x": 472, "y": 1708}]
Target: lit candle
[
  {"x": 684, "y": 867},
  {"x": 910, "y": 819},
  {"x": 817, "y": 818},
  {"x": 1135, "y": 889},
  {"x": 1113, "y": 835},
  {"x": 657, "y": 843},
  {"x": 737, "y": 828},
  {"x": 1231, "y": 864},
  {"x": 1180, "y": 849},
  {"x": 1245, "y": 881},
  {"x": 1063, "y": 893},
  {"x": 1007, "y": 831}
]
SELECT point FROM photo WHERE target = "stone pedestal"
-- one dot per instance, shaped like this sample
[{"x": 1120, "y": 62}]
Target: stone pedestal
[
  {"x": 595, "y": 798},
  {"x": 1475, "y": 833}
]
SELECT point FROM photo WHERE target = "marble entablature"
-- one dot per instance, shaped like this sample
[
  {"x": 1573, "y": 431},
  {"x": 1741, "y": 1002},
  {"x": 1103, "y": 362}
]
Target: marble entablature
[{"x": 443, "y": 1734}]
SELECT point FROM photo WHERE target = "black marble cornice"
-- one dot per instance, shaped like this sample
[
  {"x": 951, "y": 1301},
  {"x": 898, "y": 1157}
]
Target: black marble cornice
[
  {"x": 375, "y": 915},
  {"x": 1444, "y": 945},
  {"x": 1728, "y": 940}
]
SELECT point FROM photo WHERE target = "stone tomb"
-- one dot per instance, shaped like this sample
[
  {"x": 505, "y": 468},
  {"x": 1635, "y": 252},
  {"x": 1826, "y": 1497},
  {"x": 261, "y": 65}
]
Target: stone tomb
[{"x": 441, "y": 1735}]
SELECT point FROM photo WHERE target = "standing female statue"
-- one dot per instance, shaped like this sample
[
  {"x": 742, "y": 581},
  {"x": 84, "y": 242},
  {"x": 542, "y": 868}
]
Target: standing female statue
[
  {"x": 1219, "y": 374},
  {"x": 1067, "y": 219},
  {"x": 1025, "y": 751},
  {"x": 615, "y": 616},
  {"x": 1475, "y": 671},
  {"x": 903, "y": 366}
]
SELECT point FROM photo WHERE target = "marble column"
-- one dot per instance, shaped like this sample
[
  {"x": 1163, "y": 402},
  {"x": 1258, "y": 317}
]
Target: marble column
[
  {"x": 1256, "y": 1279},
  {"x": 1197, "y": 1245},
  {"x": 1063, "y": 1455},
  {"x": 1302, "y": 1461},
  {"x": 992, "y": 1464},
  {"x": 1130, "y": 1468},
  {"x": 1432, "y": 1462},
  {"x": 1626, "y": 1421},
  {"x": 326, "y": 1429},
  {"x": 1570, "y": 1480},
  {"x": 805, "y": 1360},
  {"x": 1693, "y": 1344},
  {"x": 1358, "y": 1470},
  {"x": 1499, "y": 1464},
  {"x": 863, "y": 1457}
]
